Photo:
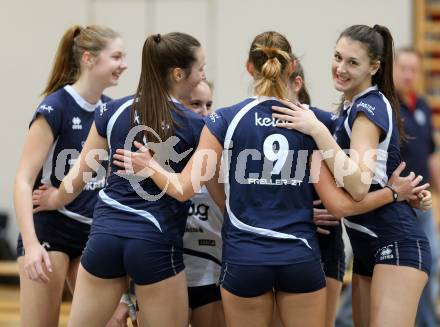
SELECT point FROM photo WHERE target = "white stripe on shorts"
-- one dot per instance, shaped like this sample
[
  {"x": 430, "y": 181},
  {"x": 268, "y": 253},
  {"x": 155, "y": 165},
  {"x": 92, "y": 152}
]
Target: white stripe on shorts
[{"x": 420, "y": 255}]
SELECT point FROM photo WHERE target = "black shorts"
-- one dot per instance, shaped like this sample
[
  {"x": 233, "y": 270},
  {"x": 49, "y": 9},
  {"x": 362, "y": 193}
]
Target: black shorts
[
  {"x": 369, "y": 251},
  {"x": 332, "y": 253},
  {"x": 109, "y": 256},
  {"x": 199, "y": 296},
  {"x": 57, "y": 232},
  {"x": 251, "y": 281}
]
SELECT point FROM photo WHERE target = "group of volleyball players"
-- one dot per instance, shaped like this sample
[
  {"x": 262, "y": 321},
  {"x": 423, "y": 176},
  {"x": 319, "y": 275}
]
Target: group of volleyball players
[{"x": 111, "y": 182}]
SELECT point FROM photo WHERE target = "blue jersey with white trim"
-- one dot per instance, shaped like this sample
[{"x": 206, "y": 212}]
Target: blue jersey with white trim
[
  {"x": 394, "y": 220},
  {"x": 329, "y": 119},
  {"x": 268, "y": 216},
  {"x": 70, "y": 118},
  {"x": 136, "y": 208}
]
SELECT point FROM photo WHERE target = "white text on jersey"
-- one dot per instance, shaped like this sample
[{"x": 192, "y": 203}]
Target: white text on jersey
[{"x": 267, "y": 121}]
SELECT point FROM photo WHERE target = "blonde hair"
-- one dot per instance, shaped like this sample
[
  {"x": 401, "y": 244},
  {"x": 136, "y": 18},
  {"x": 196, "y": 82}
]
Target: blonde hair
[
  {"x": 270, "y": 54},
  {"x": 75, "y": 41}
]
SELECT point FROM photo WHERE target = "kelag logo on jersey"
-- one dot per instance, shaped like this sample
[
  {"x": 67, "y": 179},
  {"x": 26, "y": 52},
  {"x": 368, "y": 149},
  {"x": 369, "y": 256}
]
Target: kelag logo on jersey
[
  {"x": 267, "y": 121},
  {"x": 200, "y": 211}
]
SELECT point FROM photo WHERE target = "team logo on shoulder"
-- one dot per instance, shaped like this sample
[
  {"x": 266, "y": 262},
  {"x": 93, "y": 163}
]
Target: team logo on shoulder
[
  {"x": 367, "y": 107},
  {"x": 214, "y": 116},
  {"x": 76, "y": 123},
  {"x": 102, "y": 109},
  {"x": 386, "y": 252},
  {"x": 43, "y": 107}
]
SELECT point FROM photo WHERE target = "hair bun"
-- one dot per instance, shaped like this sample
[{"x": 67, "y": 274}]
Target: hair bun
[
  {"x": 268, "y": 51},
  {"x": 157, "y": 38}
]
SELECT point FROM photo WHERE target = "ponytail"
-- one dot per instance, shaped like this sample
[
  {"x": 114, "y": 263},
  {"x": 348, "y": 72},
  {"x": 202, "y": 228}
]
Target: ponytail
[
  {"x": 65, "y": 69},
  {"x": 160, "y": 54},
  {"x": 269, "y": 81},
  {"x": 270, "y": 54},
  {"x": 384, "y": 76},
  {"x": 75, "y": 41}
]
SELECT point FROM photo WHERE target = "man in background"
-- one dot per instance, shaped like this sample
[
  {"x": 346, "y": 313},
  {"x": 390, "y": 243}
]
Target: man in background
[{"x": 418, "y": 151}]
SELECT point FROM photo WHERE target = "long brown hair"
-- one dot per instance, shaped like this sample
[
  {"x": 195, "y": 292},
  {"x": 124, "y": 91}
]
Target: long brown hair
[
  {"x": 75, "y": 41},
  {"x": 160, "y": 54},
  {"x": 270, "y": 54},
  {"x": 380, "y": 47}
]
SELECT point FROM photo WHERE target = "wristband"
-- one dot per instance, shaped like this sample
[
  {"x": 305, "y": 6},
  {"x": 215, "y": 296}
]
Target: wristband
[{"x": 395, "y": 195}]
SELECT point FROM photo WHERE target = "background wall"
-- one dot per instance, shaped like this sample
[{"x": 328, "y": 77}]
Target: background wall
[{"x": 30, "y": 31}]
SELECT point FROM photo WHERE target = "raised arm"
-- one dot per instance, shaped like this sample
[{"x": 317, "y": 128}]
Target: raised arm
[
  {"x": 354, "y": 172},
  {"x": 202, "y": 167}
]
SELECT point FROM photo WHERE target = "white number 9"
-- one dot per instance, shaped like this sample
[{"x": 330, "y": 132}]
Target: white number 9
[{"x": 279, "y": 156}]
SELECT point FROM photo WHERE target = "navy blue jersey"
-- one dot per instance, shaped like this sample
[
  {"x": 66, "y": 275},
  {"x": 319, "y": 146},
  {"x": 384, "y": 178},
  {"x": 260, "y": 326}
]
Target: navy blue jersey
[
  {"x": 70, "y": 118},
  {"x": 394, "y": 220},
  {"x": 420, "y": 144},
  {"x": 268, "y": 217},
  {"x": 329, "y": 119},
  {"x": 138, "y": 208}
]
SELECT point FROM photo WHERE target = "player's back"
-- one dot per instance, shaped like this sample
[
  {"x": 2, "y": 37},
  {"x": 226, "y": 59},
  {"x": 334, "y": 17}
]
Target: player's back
[
  {"x": 134, "y": 207},
  {"x": 268, "y": 195}
]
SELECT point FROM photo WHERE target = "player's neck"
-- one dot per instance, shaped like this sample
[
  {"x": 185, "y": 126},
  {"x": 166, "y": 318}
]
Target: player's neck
[
  {"x": 89, "y": 91},
  {"x": 173, "y": 91}
]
